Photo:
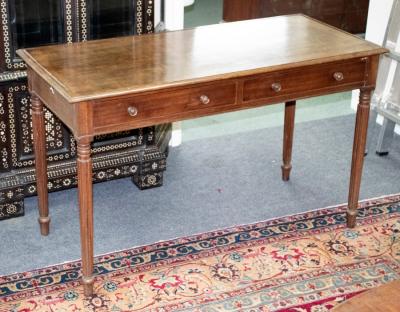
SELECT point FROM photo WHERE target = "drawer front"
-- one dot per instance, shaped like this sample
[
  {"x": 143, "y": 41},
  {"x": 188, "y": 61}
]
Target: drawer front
[
  {"x": 298, "y": 81},
  {"x": 155, "y": 106}
]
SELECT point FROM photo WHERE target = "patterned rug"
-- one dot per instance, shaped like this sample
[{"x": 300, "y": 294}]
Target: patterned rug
[{"x": 307, "y": 262}]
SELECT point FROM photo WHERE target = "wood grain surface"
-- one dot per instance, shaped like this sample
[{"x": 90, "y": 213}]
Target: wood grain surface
[
  {"x": 39, "y": 142},
  {"x": 381, "y": 299},
  {"x": 111, "y": 67}
]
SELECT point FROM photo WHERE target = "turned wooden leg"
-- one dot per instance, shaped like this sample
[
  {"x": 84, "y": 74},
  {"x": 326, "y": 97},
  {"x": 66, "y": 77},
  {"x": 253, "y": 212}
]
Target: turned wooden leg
[
  {"x": 290, "y": 109},
  {"x": 86, "y": 212},
  {"x": 39, "y": 145},
  {"x": 360, "y": 138}
]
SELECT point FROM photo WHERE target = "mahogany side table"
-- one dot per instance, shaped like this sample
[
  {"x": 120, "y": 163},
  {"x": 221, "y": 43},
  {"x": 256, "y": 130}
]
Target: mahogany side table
[{"x": 117, "y": 84}]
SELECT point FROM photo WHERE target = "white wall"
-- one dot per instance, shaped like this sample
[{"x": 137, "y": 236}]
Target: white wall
[
  {"x": 174, "y": 14},
  {"x": 157, "y": 12}
]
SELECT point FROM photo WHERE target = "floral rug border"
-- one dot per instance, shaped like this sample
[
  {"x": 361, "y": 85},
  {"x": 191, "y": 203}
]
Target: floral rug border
[{"x": 140, "y": 259}]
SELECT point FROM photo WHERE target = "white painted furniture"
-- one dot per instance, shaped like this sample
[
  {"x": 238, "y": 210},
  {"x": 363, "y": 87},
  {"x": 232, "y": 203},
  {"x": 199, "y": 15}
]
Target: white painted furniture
[
  {"x": 378, "y": 17},
  {"x": 386, "y": 98}
]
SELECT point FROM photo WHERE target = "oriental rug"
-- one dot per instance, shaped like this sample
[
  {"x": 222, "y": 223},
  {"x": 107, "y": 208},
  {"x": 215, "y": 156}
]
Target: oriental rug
[{"x": 309, "y": 262}]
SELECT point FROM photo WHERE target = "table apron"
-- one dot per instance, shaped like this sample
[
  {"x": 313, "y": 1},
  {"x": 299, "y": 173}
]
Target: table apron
[
  {"x": 137, "y": 110},
  {"x": 221, "y": 96},
  {"x": 104, "y": 126}
]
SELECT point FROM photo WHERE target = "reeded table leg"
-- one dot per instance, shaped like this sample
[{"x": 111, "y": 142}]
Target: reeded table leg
[
  {"x": 290, "y": 109},
  {"x": 86, "y": 212},
  {"x": 360, "y": 138},
  {"x": 39, "y": 144}
]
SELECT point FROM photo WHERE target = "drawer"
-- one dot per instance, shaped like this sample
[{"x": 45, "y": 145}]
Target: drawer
[
  {"x": 300, "y": 81},
  {"x": 155, "y": 106}
]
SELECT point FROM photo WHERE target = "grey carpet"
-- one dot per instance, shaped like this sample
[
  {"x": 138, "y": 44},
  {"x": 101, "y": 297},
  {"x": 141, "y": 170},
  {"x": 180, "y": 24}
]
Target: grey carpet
[{"x": 209, "y": 184}]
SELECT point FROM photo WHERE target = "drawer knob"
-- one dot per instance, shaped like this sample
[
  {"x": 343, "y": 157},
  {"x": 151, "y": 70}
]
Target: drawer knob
[
  {"x": 338, "y": 76},
  {"x": 204, "y": 99},
  {"x": 277, "y": 87},
  {"x": 132, "y": 111}
]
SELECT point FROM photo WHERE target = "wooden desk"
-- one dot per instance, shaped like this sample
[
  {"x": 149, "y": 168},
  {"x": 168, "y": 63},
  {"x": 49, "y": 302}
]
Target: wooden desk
[{"x": 104, "y": 86}]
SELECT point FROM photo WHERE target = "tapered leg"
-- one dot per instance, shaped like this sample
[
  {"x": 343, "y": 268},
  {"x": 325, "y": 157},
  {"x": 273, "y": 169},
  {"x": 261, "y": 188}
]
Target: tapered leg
[
  {"x": 290, "y": 109},
  {"x": 39, "y": 143},
  {"x": 86, "y": 212},
  {"x": 360, "y": 138}
]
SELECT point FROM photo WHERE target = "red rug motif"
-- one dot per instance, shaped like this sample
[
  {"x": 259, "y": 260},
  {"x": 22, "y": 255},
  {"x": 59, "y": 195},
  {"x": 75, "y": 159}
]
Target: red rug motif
[{"x": 308, "y": 262}]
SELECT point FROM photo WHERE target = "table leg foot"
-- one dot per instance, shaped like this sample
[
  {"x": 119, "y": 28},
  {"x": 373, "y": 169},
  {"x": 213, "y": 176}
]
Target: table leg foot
[
  {"x": 286, "y": 172},
  {"x": 88, "y": 283},
  {"x": 44, "y": 223},
  {"x": 351, "y": 218},
  {"x": 290, "y": 109}
]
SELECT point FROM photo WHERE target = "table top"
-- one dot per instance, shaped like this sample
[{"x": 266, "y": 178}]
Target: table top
[{"x": 111, "y": 67}]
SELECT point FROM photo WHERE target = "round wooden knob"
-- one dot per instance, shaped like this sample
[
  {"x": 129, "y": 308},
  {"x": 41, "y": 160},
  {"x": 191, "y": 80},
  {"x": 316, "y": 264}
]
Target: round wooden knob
[
  {"x": 276, "y": 87},
  {"x": 204, "y": 99},
  {"x": 338, "y": 76},
  {"x": 132, "y": 111}
]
